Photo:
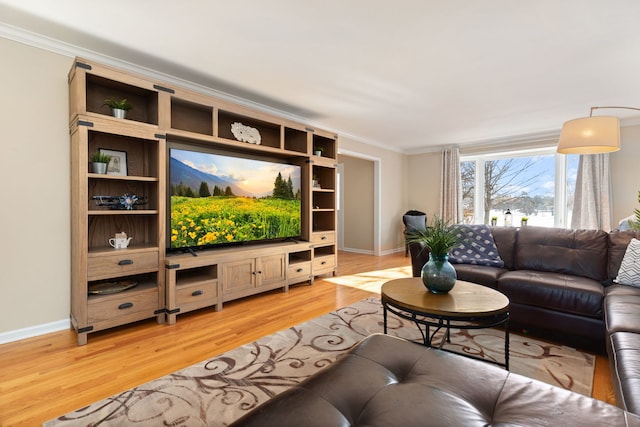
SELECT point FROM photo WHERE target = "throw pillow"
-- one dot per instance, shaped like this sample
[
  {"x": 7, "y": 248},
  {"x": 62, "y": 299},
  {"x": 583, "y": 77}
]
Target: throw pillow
[
  {"x": 476, "y": 246},
  {"x": 629, "y": 273},
  {"x": 415, "y": 222}
]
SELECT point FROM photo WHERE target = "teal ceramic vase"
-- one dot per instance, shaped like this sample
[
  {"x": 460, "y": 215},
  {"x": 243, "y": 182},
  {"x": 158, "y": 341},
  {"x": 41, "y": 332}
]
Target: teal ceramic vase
[{"x": 438, "y": 275}]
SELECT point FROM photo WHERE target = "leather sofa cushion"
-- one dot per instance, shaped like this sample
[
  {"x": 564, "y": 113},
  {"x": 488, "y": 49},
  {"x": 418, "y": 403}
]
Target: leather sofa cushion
[
  {"x": 505, "y": 238},
  {"x": 622, "y": 309},
  {"x": 576, "y": 252},
  {"x": 482, "y": 275},
  {"x": 625, "y": 369},
  {"x": 618, "y": 242},
  {"x": 554, "y": 291},
  {"x": 386, "y": 381}
]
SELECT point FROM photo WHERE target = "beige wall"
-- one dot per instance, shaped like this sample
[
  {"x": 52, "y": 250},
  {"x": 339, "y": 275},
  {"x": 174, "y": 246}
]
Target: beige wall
[
  {"x": 393, "y": 191},
  {"x": 625, "y": 174},
  {"x": 358, "y": 204},
  {"x": 34, "y": 285},
  {"x": 424, "y": 183}
]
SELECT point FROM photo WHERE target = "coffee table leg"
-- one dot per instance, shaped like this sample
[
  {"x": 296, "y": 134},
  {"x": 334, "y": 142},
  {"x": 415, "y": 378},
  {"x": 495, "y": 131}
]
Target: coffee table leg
[
  {"x": 384, "y": 314},
  {"x": 506, "y": 344}
]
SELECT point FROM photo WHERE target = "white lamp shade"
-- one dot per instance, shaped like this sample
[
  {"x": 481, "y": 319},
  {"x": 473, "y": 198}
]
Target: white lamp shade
[{"x": 590, "y": 135}]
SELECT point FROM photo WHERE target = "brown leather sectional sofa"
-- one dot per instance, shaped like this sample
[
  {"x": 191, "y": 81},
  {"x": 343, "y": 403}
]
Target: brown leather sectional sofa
[
  {"x": 560, "y": 284},
  {"x": 386, "y": 381}
]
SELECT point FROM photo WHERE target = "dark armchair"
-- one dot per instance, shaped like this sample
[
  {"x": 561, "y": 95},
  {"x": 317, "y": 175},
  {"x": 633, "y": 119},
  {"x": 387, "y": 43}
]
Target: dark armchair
[{"x": 413, "y": 220}]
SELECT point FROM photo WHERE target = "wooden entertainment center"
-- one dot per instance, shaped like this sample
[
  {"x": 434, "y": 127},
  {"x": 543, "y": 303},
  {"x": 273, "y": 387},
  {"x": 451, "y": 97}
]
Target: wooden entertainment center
[{"x": 156, "y": 283}]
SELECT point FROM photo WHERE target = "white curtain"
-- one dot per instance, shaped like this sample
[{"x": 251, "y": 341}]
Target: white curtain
[
  {"x": 451, "y": 187},
  {"x": 592, "y": 199}
]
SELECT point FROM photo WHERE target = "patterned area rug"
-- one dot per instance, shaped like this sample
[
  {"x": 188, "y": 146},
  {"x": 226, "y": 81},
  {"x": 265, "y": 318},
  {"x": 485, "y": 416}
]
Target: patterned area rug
[{"x": 220, "y": 390}]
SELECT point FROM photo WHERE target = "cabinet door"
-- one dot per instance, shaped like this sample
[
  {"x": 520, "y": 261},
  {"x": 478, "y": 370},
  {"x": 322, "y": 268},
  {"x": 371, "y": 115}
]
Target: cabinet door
[
  {"x": 238, "y": 275},
  {"x": 271, "y": 269}
]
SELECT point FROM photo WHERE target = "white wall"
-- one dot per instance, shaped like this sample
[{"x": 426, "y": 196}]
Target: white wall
[{"x": 34, "y": 284}]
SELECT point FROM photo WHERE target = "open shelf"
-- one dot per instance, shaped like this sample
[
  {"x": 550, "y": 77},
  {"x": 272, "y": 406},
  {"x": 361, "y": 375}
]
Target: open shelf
[
  {"x": 326, "y": 145},
  {"x": 299, "y": 257},
  {"x": 296, "y": 140},
  {"x": 196, "y": 275},
  {"x": 325, "y": 176},
  {"x": 269, "y": 132},
  {"x": 144, "y": 101},
  {"x": 142, "y": 227},
  {"x": 191, "y": 117},
  {"x": 141, "y": 155}
]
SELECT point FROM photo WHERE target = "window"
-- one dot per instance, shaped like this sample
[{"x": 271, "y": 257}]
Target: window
[{"x": 536, "y": 184}]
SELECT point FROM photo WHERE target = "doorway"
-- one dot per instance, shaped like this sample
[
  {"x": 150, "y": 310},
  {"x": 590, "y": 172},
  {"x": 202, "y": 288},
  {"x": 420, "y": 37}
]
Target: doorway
[{"x": 358, "y": 203}]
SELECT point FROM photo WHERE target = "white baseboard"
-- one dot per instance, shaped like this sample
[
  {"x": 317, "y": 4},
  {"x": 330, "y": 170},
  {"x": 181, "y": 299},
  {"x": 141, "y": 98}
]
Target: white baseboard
[
  {"x": 34, "y": 331},
  {"x": 357, "y": 251},
  {"x": 368, "y": 252}
]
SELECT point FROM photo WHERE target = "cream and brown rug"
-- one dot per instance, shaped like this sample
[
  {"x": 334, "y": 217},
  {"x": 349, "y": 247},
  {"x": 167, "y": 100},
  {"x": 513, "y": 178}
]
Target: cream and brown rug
[{"x": 220, "y": 390}]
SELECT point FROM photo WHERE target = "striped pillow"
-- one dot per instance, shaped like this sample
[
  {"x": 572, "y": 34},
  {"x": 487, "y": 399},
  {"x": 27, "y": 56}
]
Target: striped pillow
[{"x": 629, "y": 273}]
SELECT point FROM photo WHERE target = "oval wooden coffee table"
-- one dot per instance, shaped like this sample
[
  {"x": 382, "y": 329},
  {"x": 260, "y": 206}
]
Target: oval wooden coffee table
[{"x": 466, "y": 306}]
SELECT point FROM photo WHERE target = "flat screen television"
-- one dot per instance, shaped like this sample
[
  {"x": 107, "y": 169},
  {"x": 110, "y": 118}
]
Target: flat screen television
[{"x": 219, "y": 198}]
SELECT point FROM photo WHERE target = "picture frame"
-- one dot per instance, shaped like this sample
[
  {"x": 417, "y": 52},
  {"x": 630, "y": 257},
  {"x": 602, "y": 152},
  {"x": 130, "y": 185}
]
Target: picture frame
[{"x": 118, "y": 163}]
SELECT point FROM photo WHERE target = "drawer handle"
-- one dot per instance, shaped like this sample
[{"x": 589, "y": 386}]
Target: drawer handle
[
  {"x": 299, "y": 270},
  {"x": 323, "y": 238},
  {"x": 323, "y": 262},
  {"x": 125, "y": 262},
  {"x": 196, "y": 293},
  {"x": 125, "y": 305}
]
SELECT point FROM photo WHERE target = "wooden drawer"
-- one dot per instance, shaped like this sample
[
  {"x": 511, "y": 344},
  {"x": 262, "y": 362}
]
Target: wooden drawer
[
  {"x": 298, "y": 270},
  {"x": 195, "y": 293},
  {"x": 121, "y": 264},
  {"x": 327, "y": 237},
  {"x": 113, "y": 306},
  {"x": 323, "y": 264}
]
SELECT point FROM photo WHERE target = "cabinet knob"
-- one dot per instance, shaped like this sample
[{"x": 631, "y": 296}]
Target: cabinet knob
[
  {"x": 125, "y": 262},
  {"x": 299, "y": 270},
  {"x": 323, "y": 262},
  {"x": 125, "y": 305},
  {"x": 196, "y": 293},
  {"x": 323, "y": 238}
]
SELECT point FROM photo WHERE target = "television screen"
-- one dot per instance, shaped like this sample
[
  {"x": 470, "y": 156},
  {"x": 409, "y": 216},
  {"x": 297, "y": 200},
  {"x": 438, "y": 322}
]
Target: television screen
[{"x": 220, "y": 199}]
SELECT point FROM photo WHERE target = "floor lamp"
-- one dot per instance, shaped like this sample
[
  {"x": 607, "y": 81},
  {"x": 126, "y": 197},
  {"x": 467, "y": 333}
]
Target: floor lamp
[{"x": 591, "y": 135}]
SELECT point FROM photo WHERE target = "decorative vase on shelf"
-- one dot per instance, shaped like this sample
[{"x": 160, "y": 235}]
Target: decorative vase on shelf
[
  {"x": 119, "y": 113},
  {"x": 99, "y": 167},
  {"x": 438, "y": 274}
]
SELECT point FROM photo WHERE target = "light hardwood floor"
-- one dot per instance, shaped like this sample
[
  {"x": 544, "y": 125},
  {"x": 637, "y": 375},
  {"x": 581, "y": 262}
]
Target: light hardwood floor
[{"x": 47, "y": 376}]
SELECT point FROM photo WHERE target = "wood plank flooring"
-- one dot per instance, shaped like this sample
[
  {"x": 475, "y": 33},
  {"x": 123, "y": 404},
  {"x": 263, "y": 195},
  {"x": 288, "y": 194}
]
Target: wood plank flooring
[{"x": 47, "y": 376}]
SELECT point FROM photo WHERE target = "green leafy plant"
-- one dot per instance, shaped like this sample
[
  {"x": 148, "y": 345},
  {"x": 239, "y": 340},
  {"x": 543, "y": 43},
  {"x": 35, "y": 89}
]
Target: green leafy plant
[
  {"x": 320, "y": 149},
  {"x": 494, "y": 218},
  {"x": 524, "y": 218},
  {"x": 635, "y": 225},
  {"x": 439, "y": 238},
  {"x": 119, "y": 105},
  {"x": 100, "y": 158}
]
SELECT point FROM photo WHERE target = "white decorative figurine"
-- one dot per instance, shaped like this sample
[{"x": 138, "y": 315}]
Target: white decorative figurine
[{"x": 245, "y": 133}]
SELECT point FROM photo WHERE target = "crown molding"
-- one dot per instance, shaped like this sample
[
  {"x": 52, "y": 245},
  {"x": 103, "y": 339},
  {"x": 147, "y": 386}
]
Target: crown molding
[{"x": 49, "y": 44}]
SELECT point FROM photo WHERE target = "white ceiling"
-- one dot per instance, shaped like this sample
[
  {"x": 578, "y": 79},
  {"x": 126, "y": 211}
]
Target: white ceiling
[{"x": 406, "y": 74}]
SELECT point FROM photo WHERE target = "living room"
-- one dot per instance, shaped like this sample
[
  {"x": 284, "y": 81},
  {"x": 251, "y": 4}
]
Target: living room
[{"x": 36, "y": 137}]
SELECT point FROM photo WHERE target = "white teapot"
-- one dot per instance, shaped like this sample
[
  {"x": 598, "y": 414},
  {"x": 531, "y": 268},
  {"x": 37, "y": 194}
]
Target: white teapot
[{"x": 120, "y": 241}]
